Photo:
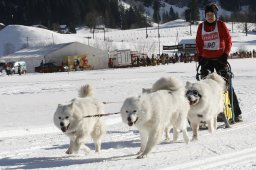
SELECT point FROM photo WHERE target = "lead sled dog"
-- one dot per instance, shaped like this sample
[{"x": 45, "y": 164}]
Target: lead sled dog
[
  {"x": 153, "y": 113},
  {"x": 70, "y": 120},
  {"x": 206, "y": 102}
]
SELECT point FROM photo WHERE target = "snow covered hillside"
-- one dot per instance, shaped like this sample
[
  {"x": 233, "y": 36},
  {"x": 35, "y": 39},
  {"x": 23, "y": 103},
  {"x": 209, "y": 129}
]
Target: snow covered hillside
[
  {"x": 29, "y": 140},
  {"x": 16, "y": 37}
]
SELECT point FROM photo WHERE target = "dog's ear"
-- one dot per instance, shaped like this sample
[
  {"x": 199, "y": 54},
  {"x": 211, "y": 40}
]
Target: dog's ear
[
  {"x": 71, "y": 106},
  {"x": 146, "y": 90},
  {"x": 188, "y": 84}
]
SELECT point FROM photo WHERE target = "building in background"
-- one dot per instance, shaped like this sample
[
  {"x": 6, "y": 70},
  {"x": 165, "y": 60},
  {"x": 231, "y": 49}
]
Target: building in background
[{"x": 60, "y": 54}]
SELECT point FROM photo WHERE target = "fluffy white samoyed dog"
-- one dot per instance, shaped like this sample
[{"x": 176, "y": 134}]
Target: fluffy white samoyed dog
[
  {"x": 70, "y": 119},
  {"x": 153, "y": 113},
  {"x": 206, "y": 102}
]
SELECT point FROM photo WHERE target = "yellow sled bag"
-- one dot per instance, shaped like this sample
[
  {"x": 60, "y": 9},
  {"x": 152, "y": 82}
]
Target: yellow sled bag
[{"x": 227, "y": 106}]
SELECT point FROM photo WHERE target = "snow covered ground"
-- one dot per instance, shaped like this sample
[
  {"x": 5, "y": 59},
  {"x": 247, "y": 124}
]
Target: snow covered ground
[{"x": 29, "y": 140}]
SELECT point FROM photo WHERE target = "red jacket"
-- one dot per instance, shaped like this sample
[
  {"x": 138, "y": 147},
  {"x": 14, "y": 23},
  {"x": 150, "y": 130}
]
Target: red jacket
[{"x": 225, "y": 40}]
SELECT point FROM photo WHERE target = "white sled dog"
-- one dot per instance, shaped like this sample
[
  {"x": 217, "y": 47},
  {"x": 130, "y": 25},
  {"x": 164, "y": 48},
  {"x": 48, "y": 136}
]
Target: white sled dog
[
  {"x": 206, "y": 102},
  {"x": 153, "y": 112},
  {"x": 70, "y": 120}
]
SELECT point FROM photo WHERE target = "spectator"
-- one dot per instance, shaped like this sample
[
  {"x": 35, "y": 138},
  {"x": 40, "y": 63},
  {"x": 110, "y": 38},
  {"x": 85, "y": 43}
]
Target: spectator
[{"x": 19, "y": 69}]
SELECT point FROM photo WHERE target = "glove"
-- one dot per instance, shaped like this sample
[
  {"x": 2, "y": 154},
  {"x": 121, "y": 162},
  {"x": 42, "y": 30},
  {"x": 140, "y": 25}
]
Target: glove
[
  {"x": 201, "y": 60},
  {"x": 224, "y": 58}
]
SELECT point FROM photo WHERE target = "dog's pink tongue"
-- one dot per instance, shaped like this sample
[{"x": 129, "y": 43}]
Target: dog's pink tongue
[
  {"x": 130, "y": 123},
  {"x": 64, "y": 129}
]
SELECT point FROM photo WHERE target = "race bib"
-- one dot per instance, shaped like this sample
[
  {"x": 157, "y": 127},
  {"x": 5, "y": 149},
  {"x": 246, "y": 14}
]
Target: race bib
[{"x": 211, "y": 39}]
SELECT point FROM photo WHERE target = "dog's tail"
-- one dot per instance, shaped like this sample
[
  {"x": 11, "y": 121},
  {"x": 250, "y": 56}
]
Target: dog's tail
[
  {"x": 169, "y": 83},
  {"x": 86, "y": 90},
  {"x": 217, "y": 78}
]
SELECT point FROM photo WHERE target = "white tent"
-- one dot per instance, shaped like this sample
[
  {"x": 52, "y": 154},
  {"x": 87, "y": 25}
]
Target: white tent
[
  {"x": 2, "y": 26},
  {"x": 33, "y": 56}
]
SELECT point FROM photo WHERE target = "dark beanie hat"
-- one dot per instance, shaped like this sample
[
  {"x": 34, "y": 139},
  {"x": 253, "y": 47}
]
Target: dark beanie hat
[{"x": 211, "y": 8}]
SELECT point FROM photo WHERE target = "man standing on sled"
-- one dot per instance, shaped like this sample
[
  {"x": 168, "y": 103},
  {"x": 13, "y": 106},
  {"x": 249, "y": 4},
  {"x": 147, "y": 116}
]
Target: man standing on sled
[{"x": 213, "y": 44}]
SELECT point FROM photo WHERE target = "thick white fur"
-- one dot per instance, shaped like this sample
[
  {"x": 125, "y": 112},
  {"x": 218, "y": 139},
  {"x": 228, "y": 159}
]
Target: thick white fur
[
  {"x": 165, "y": 83},
  {"x": 153, "y": 112},
  {"x": 168, "y": 83},
  {"x": 70, "y": 119},
  {"x": 209, "y": 105}
]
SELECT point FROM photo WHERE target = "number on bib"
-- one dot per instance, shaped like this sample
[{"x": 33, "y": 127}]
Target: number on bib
[{"x": 211, "y": 45}]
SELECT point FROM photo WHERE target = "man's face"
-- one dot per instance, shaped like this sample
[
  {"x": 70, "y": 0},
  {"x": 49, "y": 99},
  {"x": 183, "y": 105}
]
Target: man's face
[{"x": 210, "y": 17}]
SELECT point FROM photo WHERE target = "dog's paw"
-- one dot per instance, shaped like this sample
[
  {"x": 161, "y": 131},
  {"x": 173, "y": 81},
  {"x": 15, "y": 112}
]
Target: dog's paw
[
  {"x": 139, "y": 153},
  {"x": 86, "y": 151},
  {"x": 186, "y": 140},
  {"x": 141, "y": 156},
  {"x": 211, "y": 130},
  {"x": 167, "y": 139},
  {"x": 194, "y": 138},
  {"x": 69, "y": 151},
  {"x": 97, "y": 150}
]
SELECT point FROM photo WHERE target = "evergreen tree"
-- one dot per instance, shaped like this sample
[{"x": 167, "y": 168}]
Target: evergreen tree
[
  {"x": 165, "y": 17},
  {"x": 90, "y": 19},
  {"x": 148, "y": 3},
  {"x": 169, "y": 16},
  {"x": 252, "y": 10},
  {"x": 192, "y": 14},
  {"x": 235, "y": 6},
  {"x": 156, "y": 15},
  {"x": 52, "y": 13},
  {"x": 203, "y": 3},
  {"x": 173, "y": 15},
  {"x": 123, "y": 21},
  {"x": 187, "y": 15}
]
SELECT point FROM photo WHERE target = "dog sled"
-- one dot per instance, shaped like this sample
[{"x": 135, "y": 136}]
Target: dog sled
[{"x": 228, "y": 115}]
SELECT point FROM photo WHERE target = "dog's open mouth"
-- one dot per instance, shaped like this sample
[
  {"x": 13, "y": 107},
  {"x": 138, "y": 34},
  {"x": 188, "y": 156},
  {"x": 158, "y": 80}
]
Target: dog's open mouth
[
  {"x": 132, "y": 123},
  {"x": 192, "y": 102},
  {"x": 65, "y": 128}
]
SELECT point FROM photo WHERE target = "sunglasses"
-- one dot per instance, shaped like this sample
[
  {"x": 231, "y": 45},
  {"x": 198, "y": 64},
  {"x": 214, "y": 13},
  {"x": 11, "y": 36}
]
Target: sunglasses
[{"x": 194, "y": 93}]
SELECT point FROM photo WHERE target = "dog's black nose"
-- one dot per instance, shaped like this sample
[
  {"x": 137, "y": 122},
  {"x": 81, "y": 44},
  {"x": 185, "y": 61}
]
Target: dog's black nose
[
  {"x": 189, "y": 97},
  {"x": 61, "y": 124},
  {"x": 129, "y": 119}
]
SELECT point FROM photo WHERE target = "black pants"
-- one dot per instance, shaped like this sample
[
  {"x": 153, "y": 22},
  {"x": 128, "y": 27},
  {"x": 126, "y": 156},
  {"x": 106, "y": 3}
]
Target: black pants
[{"x": 208, "y": 66}]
